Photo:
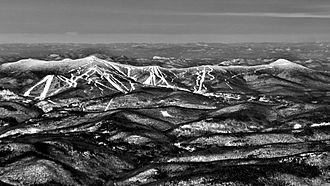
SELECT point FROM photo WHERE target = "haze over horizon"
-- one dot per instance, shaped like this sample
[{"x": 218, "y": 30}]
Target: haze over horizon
[{"x": 108, "y": 21}]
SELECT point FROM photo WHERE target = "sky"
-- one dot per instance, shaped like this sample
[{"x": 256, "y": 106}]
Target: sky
[{"x": 166, "y": 21}]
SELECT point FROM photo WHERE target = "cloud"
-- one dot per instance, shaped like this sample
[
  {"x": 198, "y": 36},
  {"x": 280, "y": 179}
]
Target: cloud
[{"x": 264, "y": 14}]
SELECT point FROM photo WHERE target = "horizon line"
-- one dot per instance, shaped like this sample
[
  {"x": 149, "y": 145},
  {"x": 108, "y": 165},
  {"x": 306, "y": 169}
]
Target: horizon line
[{"x": 162, "y": 38}]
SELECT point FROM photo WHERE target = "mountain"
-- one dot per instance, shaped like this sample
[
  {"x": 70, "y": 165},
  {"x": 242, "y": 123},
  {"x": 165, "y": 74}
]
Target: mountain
[
  {"x": 92, "y": 77},
  {"x": 91, "y": 121}
]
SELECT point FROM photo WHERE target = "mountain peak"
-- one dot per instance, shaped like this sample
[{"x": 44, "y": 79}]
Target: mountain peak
[
  {"x": 92, "y": 58},
  {"x": 287, "y": 64},
  {"x": 65, "y": 65}
]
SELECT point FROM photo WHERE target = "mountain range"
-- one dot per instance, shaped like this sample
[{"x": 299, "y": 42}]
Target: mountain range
[{"x": 92, "y": 121}]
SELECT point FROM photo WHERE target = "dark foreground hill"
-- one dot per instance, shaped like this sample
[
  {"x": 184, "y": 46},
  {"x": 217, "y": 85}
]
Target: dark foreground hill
[{"x": 91, "y": 121}]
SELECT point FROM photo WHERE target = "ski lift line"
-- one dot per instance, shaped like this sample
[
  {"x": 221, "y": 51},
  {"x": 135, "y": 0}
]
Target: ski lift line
[
  {"x": 147, "y": 81},
  {"x": 152, "y": 75},
  {"x": 202, "y": 80},
  {"x": 73, "y": 80},
  {"x": 45, "y": 79},
  {"x": 201, "y": 77},
  {"x": 108, "y": 105},
  {"x": 119, "y": 83},
  {"x": 114, "y": 84},
  {"x": 68, "y": 81},
  {"x": 162, "y": 79},
  {"x": 96, "y": 82},
  {"x": 174, "y": 75},
  {"x": 154, "y": 78},
  {"x": 129, "y": 72},
  {"x": 229, "y": 85},
  {"x": 161, "y": 76},
  {"x": 197, "y": 81},
  {"x": 97, "y": 85},
  {"x": 116, "y": 68},
  {"x": 109, "y": 77},
  {"x": 132, "y": 86},
  {"x": 47, "y": 86}
]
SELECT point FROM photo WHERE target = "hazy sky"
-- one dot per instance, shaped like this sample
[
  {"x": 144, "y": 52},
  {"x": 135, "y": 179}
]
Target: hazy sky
[{"x": 95, "y": 21}]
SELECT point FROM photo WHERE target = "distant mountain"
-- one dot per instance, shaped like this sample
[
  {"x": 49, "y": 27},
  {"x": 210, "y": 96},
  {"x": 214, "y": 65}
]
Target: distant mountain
[{"x": 92, "y": 77}]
